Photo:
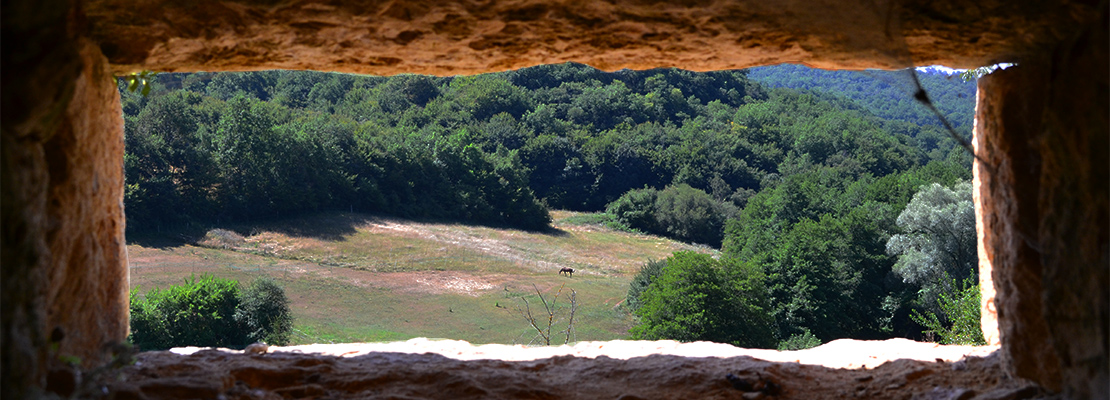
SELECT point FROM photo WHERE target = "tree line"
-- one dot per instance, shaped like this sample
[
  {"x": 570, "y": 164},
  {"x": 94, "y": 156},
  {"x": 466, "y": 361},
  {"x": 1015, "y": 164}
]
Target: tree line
[{"x": 494, "y": 149}]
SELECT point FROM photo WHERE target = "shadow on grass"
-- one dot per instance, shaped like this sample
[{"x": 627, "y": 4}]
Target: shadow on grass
[
  {"x": 329, "y": 226},
  {"x": 325, "y": 226},
  {"x": 165, "y": 238}
]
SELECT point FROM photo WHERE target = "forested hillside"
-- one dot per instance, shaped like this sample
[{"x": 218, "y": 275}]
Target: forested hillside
[
  {"x": 887, "y": 94},
  {"x": 801, "y": 189},
  {"x": 235, "y": 146}
]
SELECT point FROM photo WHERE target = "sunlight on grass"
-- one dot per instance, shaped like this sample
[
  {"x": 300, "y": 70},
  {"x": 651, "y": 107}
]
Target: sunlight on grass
[{"x": 389, "y": 279}]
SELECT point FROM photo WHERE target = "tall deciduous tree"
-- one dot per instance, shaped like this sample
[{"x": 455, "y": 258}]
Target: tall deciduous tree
[{"x": 939, "y": 241}]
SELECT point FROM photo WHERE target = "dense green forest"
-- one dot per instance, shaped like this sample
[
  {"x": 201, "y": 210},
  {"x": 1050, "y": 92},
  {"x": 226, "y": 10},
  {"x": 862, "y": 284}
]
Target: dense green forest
[{"x": 801, "y": 189}]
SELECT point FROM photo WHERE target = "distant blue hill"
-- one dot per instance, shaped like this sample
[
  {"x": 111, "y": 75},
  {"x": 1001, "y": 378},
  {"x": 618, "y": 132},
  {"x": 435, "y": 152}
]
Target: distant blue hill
[{"x": 887, "y": 94}]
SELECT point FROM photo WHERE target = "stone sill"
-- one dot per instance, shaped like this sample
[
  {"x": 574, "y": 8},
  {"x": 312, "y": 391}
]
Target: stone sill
[{"x": 423, "y": 368}]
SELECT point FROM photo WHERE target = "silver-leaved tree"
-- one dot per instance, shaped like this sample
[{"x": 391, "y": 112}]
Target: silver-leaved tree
[{"x": 937, "y": 251}]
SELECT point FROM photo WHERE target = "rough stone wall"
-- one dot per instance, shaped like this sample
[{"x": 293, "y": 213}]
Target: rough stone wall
[
  {"x": 39, "y": 70},
  {"x": 1044, "y": 134},
  {"x": 1074, "y": 203},
  {"x": 64, "y": 262},
  {"x": 87, "y": 293},
  {"x": 472, "y": 36},
  {"x": 988, "y": 312}
]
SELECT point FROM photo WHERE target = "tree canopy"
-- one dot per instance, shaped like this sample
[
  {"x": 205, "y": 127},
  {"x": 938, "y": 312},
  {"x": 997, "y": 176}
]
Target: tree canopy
[{"x": 494, "y": 148}]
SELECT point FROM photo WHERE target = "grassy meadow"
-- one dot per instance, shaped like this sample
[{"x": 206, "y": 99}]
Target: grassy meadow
[{"x": 360, "y": 278}]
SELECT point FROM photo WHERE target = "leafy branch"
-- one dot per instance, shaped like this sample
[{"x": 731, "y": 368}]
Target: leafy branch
[
  {"x": 960, "y": 323},
  {"x": 141, "y": 81}
]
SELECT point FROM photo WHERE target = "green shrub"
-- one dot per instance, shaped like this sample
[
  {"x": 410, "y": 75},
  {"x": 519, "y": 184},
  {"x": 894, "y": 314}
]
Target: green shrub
[
  {"x": 692, "y": 215},
  {"x": 700, "y": 298},
  {"x": 210, "y": 312},
  {"x": 960, "y": 322},
  {"x": 679, "y": 212},
  {"x": 636, "y": 208},
  {"x": 648, "y": 273},
  {"x": 800, "y": 341},
  {"x": 264, "y": 311}
]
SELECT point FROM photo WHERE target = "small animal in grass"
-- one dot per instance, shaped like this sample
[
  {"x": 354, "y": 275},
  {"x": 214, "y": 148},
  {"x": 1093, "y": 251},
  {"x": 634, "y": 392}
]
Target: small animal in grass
[{"x": 568, "y": 271}]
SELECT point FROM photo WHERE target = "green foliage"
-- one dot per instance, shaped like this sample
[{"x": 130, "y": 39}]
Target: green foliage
[
  {"x": 649, "y": 272},
  {"x": 243, "y": 146},
  {"x": 264, "y": 312},
  {"x": 692, "y": 215},
  {"x": 679, "y": 211},
  {"x": 805, "y": 185},
  {"x": 938, "y": 241},
  {"x": 959, "y": 319},
  {"x": 140, "y": 81},
  {"x": 636, "y": 208},
  {"x": 701, "y": 298},
  {"x": 821, "y": 236},
  {"x": 800, "y": 341},
  {"x": 209, "y": 311},
  {"x": 200, "y": 312},
  {"x": 888, "y": 94}
]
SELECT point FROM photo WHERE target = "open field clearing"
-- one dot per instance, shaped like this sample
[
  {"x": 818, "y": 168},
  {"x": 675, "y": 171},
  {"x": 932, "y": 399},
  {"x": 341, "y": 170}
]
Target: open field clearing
[{"x": 355, "y": 277}]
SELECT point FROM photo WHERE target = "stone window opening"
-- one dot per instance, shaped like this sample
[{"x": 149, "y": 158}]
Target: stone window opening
[{"x": 1043, "y": 124}]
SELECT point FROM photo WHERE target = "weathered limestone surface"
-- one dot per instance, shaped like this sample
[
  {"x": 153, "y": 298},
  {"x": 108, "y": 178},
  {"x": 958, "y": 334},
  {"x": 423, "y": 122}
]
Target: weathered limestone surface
[
  {"x": 40, "y": 66},
  {"x": 472, "y": 36},
  {"x": 87, "y": 292},
  {"x": 1074, "y": 204},
  {"x": 422, "y": 369},
  {"x": 988, "y": 312},
  {"x": 64, "y": 261},
  {"x": 1009, "y": 187},
  {"x": 1044, "y": 134}
]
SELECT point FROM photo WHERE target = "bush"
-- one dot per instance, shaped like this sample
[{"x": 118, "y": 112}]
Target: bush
[
  {"x": 648, "y": 273},
  {"x": 679, "y": 212},
  {"x": 700, "y": 298},
  {"x": 692, "y": 215},
  {"x": 636, "y": 209},
  {"x": 199, "y": 313},
  {"x": 801, "y": 341},
  {"x": 264, "y": 311},
  {"x": 222, "y": 239},
  {"x": 210, "y": 312},
  {"x": 960, "y": 322}
]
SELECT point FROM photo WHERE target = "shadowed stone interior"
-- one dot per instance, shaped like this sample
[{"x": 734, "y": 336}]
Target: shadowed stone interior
[{"x": 1041, "y": 131}]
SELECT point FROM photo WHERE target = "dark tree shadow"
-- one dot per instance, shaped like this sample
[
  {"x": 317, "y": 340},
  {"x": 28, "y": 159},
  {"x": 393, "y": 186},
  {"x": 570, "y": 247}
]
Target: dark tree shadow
[{"x": 329, "y": 226}]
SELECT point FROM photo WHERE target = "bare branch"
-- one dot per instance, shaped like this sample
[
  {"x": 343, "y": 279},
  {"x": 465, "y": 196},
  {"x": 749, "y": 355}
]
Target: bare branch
[
  {"x": 551, "y": 307},
  {"x": 570, "y": 321}
]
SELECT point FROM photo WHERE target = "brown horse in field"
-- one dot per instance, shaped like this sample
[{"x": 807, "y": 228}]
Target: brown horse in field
[{"x": 568, "y": 271}]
